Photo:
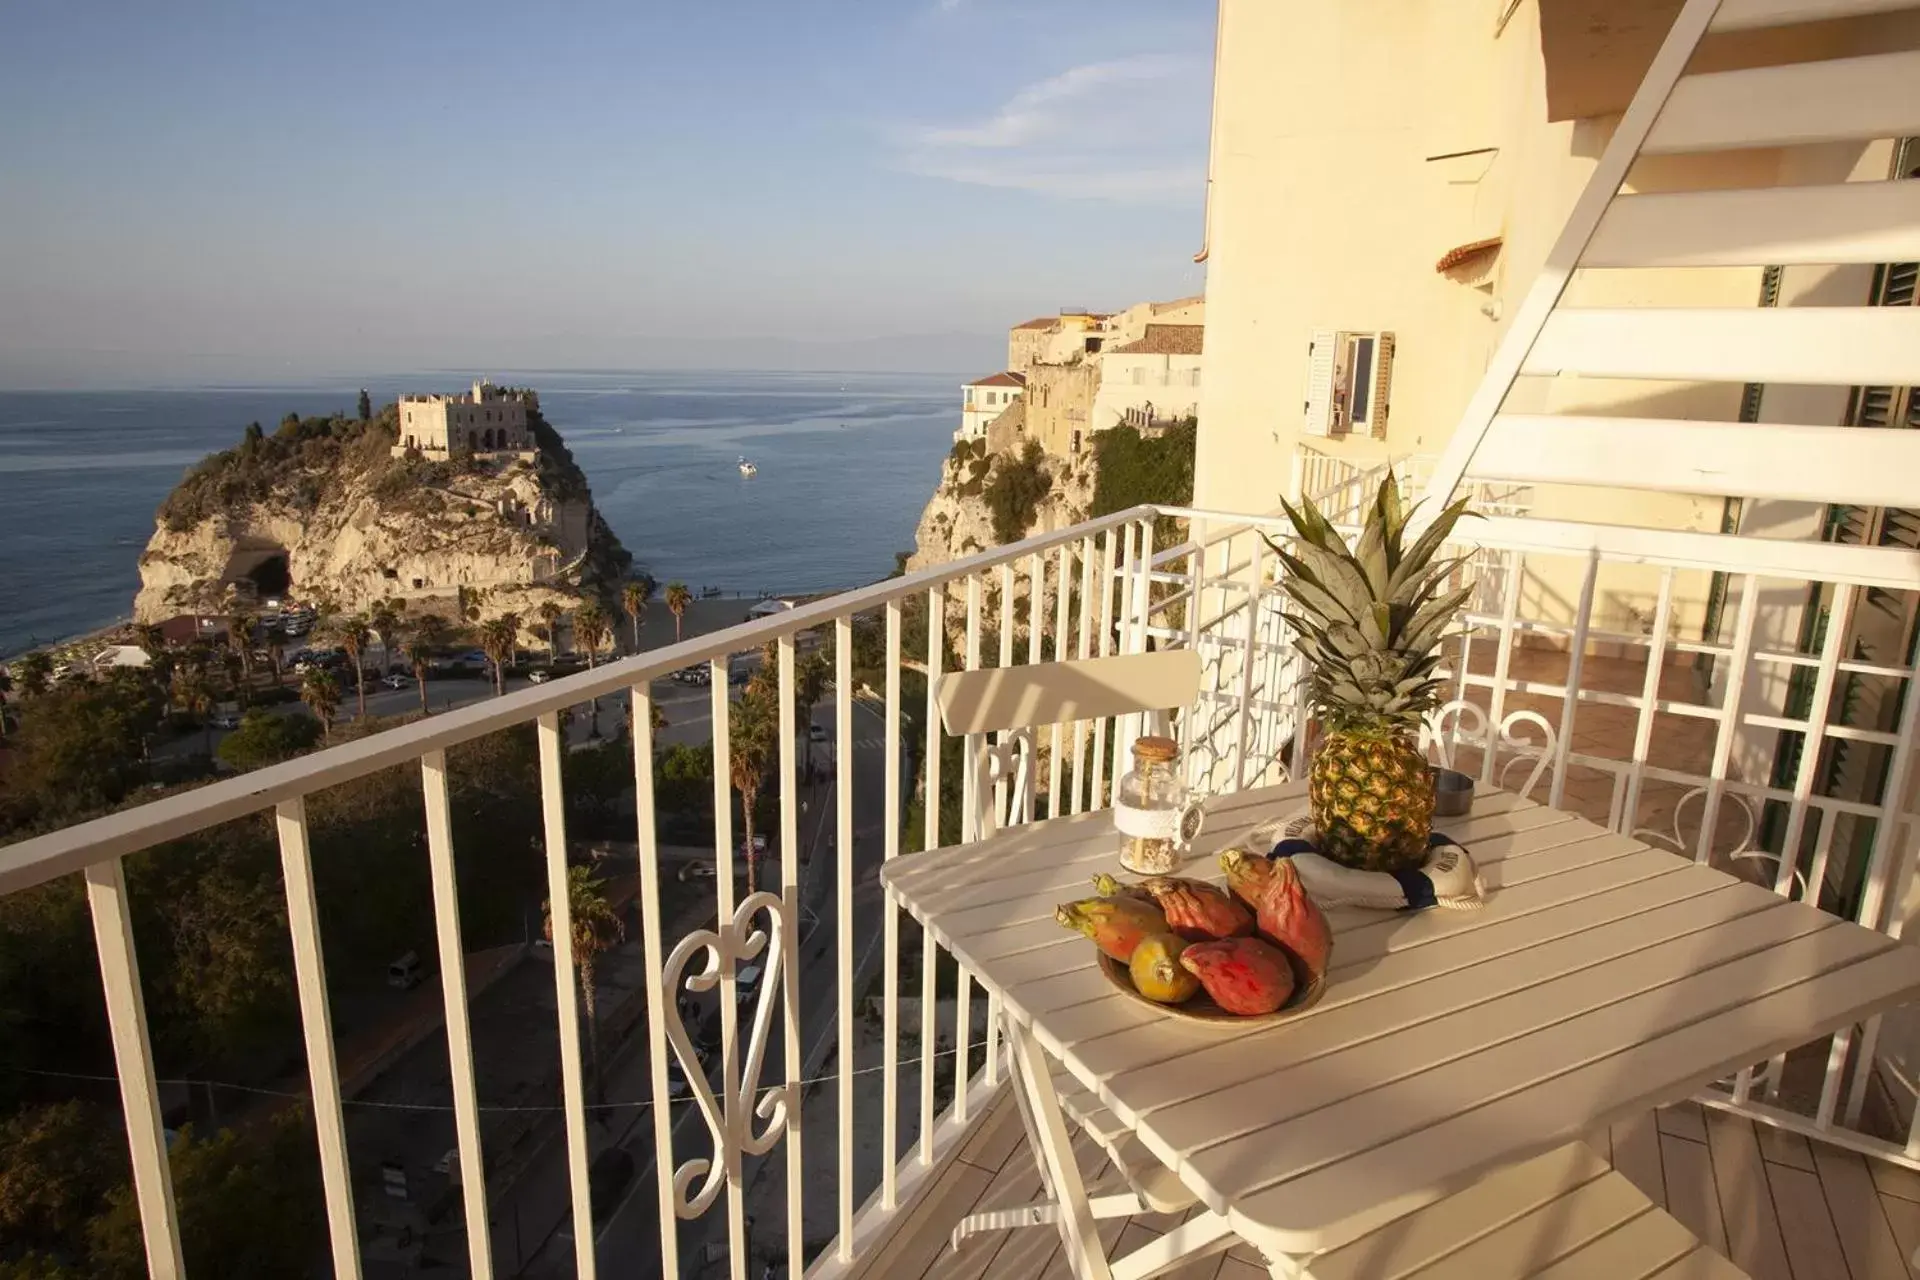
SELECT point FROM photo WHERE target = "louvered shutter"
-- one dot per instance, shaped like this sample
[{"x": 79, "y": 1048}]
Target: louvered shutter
[
  {"x": 1382, "y": 386},
  {"x": 1319, "y": 402}
]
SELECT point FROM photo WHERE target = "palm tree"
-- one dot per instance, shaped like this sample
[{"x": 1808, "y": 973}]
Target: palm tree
[
  {"x": 809, "y": 686},
  {"x": 352, "y": 634},
  {"x": 633, "y": 600},
  {"x": 591, "y": 630},
  {"x": 550, "y": 615},
  {"x": 385, "y": 621},
  {"x": 193, "y": 691},
  {"x": 498, "y": 636},
  {"x": 754, "y": 725},
  {"x": 678, "y": 598},
  {"x": 594, "y": 928},
  {"x": 419, "y": 643},
  {"x": 240, "y": 638},
  {"x": 321, "y": 692}
]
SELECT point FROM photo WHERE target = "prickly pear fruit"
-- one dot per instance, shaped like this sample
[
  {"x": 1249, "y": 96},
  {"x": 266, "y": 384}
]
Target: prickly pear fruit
[
  {"x": 1156, "y": 970},
  {"x": 1108, "y": 887},
  {"x": 1285, "y": 912},
  {"x": 1243, "y": 975},
  {"x": 1116, "y": 925},
  {"x": 1198, "y": 911}
]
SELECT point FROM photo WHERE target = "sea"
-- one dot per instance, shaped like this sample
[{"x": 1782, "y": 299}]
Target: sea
[{"x": 846, "y": 462}]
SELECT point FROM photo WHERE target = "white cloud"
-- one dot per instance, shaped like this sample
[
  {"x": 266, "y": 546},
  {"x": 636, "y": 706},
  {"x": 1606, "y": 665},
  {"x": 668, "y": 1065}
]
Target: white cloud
[{"x": 1129, "y": 129}]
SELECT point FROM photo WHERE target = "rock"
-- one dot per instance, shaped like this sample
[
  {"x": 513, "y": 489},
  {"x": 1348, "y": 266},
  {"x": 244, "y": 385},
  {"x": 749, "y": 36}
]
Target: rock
[{"x": 326, "y": 514}]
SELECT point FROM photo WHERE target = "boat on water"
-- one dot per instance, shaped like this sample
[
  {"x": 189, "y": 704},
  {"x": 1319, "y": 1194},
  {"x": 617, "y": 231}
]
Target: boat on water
[{"x": 748, "y": 469}]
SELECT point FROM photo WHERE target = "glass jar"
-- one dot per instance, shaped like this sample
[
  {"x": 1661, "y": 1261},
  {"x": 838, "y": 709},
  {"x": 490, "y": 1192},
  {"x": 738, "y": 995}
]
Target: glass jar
[{"x": 1151, "y": 810}]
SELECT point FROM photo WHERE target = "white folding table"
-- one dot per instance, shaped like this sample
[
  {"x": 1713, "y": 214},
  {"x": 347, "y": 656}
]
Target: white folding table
[{"x": 1601, "y": 979}]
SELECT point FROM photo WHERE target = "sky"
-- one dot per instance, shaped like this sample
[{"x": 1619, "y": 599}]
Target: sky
[{"x": 203, "y": 192}]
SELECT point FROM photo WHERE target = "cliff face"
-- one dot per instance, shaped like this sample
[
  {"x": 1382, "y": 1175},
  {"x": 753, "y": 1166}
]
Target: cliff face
[
  {"x": 958, "y": 519},
  {"x": 321, "y": 511}
]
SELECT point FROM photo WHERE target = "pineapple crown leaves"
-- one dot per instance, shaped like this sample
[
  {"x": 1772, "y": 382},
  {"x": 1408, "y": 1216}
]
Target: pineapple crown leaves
[{"x": 1368, "y": 618}]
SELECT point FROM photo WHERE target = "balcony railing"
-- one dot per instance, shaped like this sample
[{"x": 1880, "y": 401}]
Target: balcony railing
[{"x": 1583, "y": 663}]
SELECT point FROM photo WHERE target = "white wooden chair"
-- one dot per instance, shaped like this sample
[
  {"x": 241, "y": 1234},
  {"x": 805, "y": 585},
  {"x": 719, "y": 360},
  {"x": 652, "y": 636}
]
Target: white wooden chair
[{"x": 1137, "y": 689}]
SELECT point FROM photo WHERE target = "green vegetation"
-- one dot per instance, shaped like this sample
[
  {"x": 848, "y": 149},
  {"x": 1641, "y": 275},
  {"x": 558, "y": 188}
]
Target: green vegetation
[
  {"x": 306, "y": 460},
  {"x": 594, "y": 928},
  {"x": 263, "y": 739},
  {"x": 1131, "y": 469},
  {"x": 1016, "y": 491}
]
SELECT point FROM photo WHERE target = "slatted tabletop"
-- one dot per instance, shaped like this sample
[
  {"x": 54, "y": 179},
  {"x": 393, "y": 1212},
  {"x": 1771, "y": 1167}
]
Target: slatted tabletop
[{"x": 1601, "y": 978}]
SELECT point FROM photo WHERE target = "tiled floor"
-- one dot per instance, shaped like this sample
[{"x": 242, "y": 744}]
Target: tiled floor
[{"x": 1782, "y": 1208}]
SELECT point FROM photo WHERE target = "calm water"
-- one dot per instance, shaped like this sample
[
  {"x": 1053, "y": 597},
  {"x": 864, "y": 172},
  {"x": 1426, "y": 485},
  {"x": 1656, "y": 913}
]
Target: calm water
[{"x": 846, "y": 462}]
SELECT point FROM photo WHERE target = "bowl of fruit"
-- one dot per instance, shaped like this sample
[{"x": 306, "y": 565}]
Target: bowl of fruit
[{"x": 1251, "y": 952}]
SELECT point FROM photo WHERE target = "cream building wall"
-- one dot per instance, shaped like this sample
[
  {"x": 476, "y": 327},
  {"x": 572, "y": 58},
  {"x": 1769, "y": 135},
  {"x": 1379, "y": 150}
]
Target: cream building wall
[
  {"x": 1355, "y": 144},
  {"x": 1167, "y": 386},
  {"x": 981, "y": 402}
]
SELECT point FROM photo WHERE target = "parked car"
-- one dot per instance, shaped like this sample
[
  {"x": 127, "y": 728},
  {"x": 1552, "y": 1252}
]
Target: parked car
[
  {"x": 226, "y": 720},
  {"x": 539, "y": 675},
  {"x": 746, "y": 981},
  {"x": 697, "y": 674},
  {"x": 818, "y": 733},
  {"x": 397, "y": 681},
  {"x": 759, "y": 847},
  {"x": 696, "y": 871}
]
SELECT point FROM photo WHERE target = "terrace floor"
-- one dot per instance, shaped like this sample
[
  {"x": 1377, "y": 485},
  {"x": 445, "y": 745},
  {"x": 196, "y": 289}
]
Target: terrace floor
[{"x": 1779, "y": 1206}]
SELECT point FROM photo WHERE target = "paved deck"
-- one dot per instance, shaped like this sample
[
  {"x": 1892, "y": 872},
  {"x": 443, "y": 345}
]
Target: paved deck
[{"x": 1780, "y": 1207}]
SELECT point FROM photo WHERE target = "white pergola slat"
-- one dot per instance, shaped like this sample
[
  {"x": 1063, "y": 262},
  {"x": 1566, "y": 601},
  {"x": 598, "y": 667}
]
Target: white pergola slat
[
  {"x": 1836, "y": 100},
  {"x": 1804, "y": 464},
  {"x": 1777, "y": 226},
  {"x": 1813, "y": 346}
]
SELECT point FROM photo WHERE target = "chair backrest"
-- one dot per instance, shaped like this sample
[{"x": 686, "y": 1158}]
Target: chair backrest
[{"x": 1044, "y": 693}]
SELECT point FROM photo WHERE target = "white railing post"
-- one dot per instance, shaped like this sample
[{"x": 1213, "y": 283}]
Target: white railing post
[
  {"x": 566, "y": 998},
  {"x": 929, "y": 949},
  {"x": 843, "y": 913},
  {"x": 659, "y": 998},
  {"x": 453, "y": 992},
  {"x": 133, "y": 1063},
  {"x": 316, "y": 1026},
  {"x": 890, "y": 979},
  {"x": 792, "y": 1051}
]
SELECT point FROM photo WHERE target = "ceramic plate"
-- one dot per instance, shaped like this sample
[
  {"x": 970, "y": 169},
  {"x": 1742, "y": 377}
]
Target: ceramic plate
[{"x": 1202, "y": 1009}]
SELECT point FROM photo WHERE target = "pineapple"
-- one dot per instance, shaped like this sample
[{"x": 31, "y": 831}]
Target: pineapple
[{"x": 1369, "y": 622}]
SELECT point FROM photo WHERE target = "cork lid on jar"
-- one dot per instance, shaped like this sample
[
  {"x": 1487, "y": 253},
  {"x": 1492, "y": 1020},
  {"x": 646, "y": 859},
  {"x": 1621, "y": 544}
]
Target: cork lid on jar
[{"x": 1155, "y": 749}]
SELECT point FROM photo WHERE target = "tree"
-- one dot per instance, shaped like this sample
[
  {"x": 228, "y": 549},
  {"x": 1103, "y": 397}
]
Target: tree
[
  {"x": 240, "y": 639},
  {"x": 352, "y": 634},
  {"x": 633, "y": 601},
  {"x": 809, "y": 686},
  {"x": 678, "y": 598},
  {"x": 264, "y": 738},
  {"x": 193, "y": 693},
  {"x": 595, "y": 928},
  {"x": 384, "y": 619},
  {"x": 550, "y": 615},
  {"x": 321, "y": 692},
  {"x": 248, "y": 1205},
  {"x": 420, "y": 643},
  {"x": 365, "y": 406},
  {"x": 498, "y": 637},
  {"x": 56, "y": 1162},
  {"x": 591, "y": 631},
  {"x": 753, "y": 732},
  {"x": 33, "y": 673}
]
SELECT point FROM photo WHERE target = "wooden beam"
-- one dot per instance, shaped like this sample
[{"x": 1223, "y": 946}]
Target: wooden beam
[
  {"x": 1835, "y": 100},
  {"x": 1755, "y": 460},
  {"x": 1815, "y": 346},
  {"x": 1780, "y": 226}
]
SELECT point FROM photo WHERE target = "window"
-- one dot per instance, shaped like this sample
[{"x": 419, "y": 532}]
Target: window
[
  {"x": 1139, "y": 376},
  {"x": 1076, "y": 443},
  {"x": 1349, "y": 380}
]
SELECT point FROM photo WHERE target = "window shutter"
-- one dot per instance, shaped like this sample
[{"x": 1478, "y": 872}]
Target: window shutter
[
  {"x": 1319, "y": 402},
  {"x": 1382, "y": 385}
]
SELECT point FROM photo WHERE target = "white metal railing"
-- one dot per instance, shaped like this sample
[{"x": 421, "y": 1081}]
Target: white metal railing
[
  {"x": 1570, "y": 668},
  {"x": 1343, "y": 489}
]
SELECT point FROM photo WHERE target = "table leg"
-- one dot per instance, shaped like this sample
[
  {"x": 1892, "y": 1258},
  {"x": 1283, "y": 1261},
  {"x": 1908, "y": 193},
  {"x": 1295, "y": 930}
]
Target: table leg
[{"x": 1053, "y": 1148}]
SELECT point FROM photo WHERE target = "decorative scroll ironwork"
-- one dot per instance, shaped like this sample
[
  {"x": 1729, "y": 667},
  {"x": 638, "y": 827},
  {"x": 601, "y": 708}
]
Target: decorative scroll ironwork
[
  {"x": 1461, "y": 722},
  {"x": 730, "y": 1124}
]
